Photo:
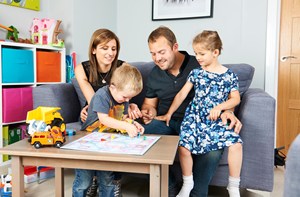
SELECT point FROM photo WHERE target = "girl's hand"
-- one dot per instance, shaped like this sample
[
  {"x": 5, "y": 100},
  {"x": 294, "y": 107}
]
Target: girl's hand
[
  {"x": 165, "y": 118},
  {"x": 134, "y": 112},
  {"x": 84, "y": 113},
  {"x": 215, "y": 113}
]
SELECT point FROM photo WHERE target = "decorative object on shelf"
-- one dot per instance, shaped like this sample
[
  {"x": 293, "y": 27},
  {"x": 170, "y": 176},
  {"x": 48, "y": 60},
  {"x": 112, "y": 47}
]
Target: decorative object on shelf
[
  {"x": 45, "y": 32},
  {"x": 12, "y": 35},
  {"x": 28, "y": 4},
  {"x": 181, "y": 9}
]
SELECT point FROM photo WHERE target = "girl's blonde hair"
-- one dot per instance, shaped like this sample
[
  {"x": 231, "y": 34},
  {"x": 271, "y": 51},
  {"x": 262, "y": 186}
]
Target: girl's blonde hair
[
  {"x": 101, "y": 36},
  {"x": 127, "y": 78},
  {"x": 210, "y": 39}
]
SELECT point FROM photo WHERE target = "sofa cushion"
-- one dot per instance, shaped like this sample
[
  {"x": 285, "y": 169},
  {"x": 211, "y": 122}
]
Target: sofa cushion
[
  {"x": 80, "y": 95},
  {"x": 145, "y": 69},
  {"x": 245, "y": 74}
]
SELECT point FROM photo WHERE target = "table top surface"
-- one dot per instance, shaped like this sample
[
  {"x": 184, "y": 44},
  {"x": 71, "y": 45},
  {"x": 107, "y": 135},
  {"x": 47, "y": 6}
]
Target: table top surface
[{"x": 162, "y": 152}]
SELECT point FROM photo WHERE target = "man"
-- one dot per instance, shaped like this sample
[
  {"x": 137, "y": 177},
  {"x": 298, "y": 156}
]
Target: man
[{"x": 164, "y": 82}]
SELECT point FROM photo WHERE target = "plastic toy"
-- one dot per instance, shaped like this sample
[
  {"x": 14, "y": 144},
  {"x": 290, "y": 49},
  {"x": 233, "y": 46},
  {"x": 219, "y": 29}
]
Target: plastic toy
[
  {"x": 12, "y": 33},
  {"x": 6, "y": 187},
  {"x": 48, "y": 115},
  {"x": 52, "y": 137},
  {"x": 70, "y": 132},
  {"x": 45, "y": 32}
]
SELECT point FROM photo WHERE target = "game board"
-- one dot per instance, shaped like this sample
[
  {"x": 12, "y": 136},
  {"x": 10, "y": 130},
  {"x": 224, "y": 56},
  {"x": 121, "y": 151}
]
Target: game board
[{"x": 113, "y": 143}]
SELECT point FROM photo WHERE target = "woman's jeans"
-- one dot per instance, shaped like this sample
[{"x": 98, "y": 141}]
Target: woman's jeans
[
  {"x": 204, "y": 166},
  {"x": 83, "y": 180}
]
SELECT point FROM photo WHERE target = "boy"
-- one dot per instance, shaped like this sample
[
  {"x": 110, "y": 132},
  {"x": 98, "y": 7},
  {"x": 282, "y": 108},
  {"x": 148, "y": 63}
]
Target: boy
[
  {"x": 108, "y": 112},
  {"x": 110, "y": 104}
]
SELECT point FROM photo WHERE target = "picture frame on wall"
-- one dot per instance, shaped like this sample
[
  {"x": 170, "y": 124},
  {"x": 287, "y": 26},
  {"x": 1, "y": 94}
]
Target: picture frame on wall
[
  {"x": 181, "y": 9},
  {"x": 27, "y": 4}
]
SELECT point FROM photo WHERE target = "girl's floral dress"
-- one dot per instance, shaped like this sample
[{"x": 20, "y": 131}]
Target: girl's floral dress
[{"x": 199, "y": 134}]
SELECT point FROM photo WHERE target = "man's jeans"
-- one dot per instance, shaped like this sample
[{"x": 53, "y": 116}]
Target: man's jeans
[
  {"x": 204, "y": 166},
  {"x": 83, "y": 180}
]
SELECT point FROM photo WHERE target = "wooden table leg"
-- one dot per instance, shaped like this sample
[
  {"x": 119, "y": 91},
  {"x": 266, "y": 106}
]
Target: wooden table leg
[
  {"x": 18, "y": 178},
  {"x": 164, "y": 180},
  {"x": 59, "y": 182},
  {"x": 155, "y": 180}
]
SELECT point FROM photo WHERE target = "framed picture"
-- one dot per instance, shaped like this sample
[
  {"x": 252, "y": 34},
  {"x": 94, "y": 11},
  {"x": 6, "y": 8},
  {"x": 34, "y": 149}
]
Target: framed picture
[
  {"x": 28, "y": 4},
  {"x": 181, "y": 9}
]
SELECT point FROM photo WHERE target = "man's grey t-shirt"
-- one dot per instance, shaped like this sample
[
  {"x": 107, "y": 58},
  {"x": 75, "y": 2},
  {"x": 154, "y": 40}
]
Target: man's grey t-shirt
[{"x": 103, "y": 102}]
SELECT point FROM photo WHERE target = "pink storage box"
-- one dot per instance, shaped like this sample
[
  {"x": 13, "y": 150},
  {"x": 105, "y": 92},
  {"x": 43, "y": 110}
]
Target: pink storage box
[{"x": 16, "y": 102}]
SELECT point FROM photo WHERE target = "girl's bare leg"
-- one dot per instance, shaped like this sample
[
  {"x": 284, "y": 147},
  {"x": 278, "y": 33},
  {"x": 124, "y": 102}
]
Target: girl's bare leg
[
  {"x": 235, "y": 158},
  {"x": 186, "y": 163}
]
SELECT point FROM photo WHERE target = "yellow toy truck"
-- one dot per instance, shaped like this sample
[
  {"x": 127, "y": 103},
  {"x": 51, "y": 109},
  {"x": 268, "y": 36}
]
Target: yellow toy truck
[
  {"x": 52, "y": 137},
  {"x": 43, "y": 119}
]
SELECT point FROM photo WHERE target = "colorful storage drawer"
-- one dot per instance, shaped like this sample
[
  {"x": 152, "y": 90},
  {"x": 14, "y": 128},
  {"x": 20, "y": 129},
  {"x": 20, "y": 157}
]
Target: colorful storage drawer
[
  {"x": 16, "y": 102},
  {"x": 17, "y": 66},
  {"x": 48, "y": 66}
]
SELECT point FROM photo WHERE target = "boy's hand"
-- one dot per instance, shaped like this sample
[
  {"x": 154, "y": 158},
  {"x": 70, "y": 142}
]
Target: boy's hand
[
  {"x": 134, "y": 111},
  {"x": 165, "y": 118},
  {"x": 215, "y": 113},
  {"x": 131, "y": 129},
  {"x": 140, "y": 128}
]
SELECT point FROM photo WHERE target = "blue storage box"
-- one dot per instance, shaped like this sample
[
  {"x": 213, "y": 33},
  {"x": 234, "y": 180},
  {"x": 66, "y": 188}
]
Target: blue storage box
[{"x": 17, "y": 66}]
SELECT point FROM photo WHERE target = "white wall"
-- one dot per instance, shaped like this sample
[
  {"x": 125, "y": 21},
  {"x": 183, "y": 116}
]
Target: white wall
[{"x": 242, "y": 25}]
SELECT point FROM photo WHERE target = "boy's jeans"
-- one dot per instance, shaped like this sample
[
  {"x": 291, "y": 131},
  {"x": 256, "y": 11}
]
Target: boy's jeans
[{"x": 84, "y": 178}]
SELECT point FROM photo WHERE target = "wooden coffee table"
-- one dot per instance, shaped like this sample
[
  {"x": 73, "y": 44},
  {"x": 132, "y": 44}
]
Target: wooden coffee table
[{"x": 154, "y": 162}]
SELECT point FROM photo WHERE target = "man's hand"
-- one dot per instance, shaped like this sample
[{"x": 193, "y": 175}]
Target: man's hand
[
  {"x": 234, "y": 122},
  {"x": 84, "y": 113},
  {"x": 165, "y": 118},
  {"x": 148, "y": 115},
  {"x": 134, "y": 111}
]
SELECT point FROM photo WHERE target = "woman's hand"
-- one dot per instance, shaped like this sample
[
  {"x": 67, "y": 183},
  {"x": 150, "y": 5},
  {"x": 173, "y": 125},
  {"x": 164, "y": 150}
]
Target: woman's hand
[
  {"x": 234, "y": 122},
  {"x": 134, "y": 111},
  {"x": 84, "y": 113}
]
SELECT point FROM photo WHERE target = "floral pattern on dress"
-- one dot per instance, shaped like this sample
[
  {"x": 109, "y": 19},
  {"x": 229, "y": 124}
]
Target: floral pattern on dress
[{"x": 199, "y": 134}]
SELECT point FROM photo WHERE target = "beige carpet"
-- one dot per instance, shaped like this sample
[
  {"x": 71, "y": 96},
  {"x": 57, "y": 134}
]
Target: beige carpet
[{"x": 140, "y": 188}]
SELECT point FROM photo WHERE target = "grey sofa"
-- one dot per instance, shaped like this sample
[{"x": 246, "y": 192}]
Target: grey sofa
[
  {"x": 256, "y": 112},
  {"x": 291, "y": 177}
]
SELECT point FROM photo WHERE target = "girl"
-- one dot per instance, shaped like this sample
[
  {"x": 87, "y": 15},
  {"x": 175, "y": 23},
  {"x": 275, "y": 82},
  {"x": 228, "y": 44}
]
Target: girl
[{"x": 202, "y": 131}]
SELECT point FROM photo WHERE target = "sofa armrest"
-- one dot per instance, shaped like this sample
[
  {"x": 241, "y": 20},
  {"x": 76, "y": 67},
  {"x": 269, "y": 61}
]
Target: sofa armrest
[
  {"x": 257, "y": 114},
  {"x": 58, "y": 95},
  {"x": 292, "y": 179}
]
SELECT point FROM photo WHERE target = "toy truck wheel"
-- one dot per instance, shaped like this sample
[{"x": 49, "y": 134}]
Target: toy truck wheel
[
  {"x": 58, "y": 144},
  {"x": 37, "y": 145},
  {"x": 59, "y": 123}
]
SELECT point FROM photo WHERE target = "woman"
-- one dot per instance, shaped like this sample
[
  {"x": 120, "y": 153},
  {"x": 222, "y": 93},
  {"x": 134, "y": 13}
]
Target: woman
[{"x": 91, "y": 75}]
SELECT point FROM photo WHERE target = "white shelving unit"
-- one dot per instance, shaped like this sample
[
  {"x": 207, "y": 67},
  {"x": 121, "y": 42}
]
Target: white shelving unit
[{"x": 34, "y": 49}]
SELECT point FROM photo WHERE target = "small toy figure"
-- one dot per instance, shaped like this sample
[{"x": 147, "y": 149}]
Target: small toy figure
[
  {"x": 13, "y": 35},
  {"x": 6, "y": 187},
  {"x": 37, "y": 125},
  {"x": 70, "y": 132}
]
